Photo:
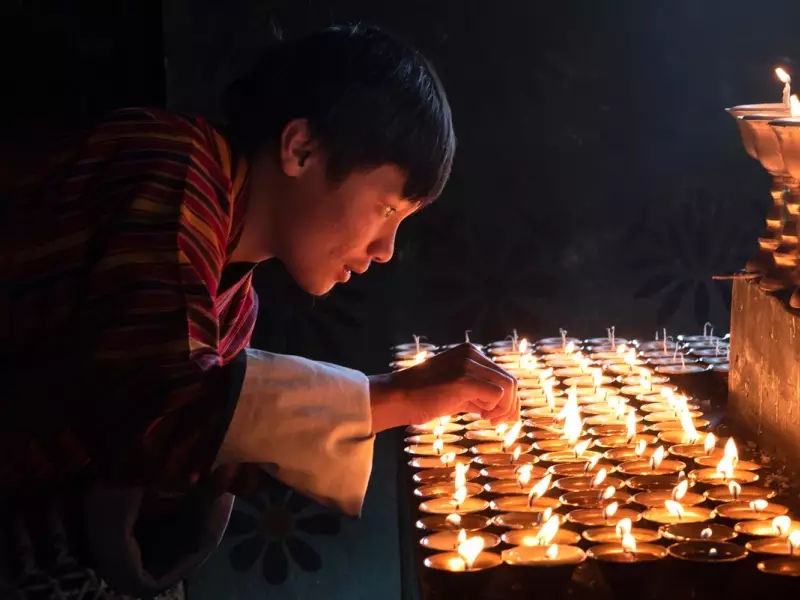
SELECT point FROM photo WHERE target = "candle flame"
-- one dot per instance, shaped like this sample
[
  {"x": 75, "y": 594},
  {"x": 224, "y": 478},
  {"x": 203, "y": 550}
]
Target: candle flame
[
  {"x": 706, "y": 533},
  {"x": 571, "y": 413},
  {"x": 501, "y": 429},
  {"x": 552, "y": 552},
  {"x": 581, "y": 447},
  {"x": 644, "y": 374},
  {"x": 783, "y": 75},
  {"x": 591, "y": 463},
  {"x": 732, "y": 451},
  {"x": 622, "y": 349},
  {"x": 657, "y": 458},
  {"x": 725, "y": 467},
  {"x": 630, "y": 357},
  {"x": 641, "y": 446},
  {"x": 469, "y": 550},
  {"x": 597, "y": 377},
  {"x": 539, "y": 490},
  {"x": 438, "y": 446},
  {"x": 584, "y": 365},
  {"x": 609, "y": 492},
  {"x": 438, "y": 431},
  {"x": 512, "y": 435},
  {"x": 759, "y": 505},
  {"x": 599, "y": 478},
  {"x": 456, "y": 564},
  {"x": 629, "y": 543},
  {"x": 515, "y": 455},
  {"x": 459, "y": 497},
  {"x": 462, "y": 536},
  {"x": 461, "y": 475},
  {"x": 523, "y": 346},
  {"x": 548, "y": 531},
  {"x": 794, "y": 103},
  {"x": 610, "y": 510},
  {"x": 794, "y": 541},
  {"x": 527, "y": 361},
  {"x": 524, "y": 475},
  {"x": 690, "y": 433},
  {"x": 454, "y": 519},
  {"x": 569, "y": 348},
  {"x": 549, "y": 396},
  {"x": 781, "y": 525},
  {"x": 545, "y": 515},
  {"x": 735, "y": 489},
  {"x": 624, "y": 527},
  {"x": 630, "y": 425},
  {"x": 420, "y": 357},
  {"x": 711, "y": 441},
  {"x": 448, "y": 458},
  {"x": 679, "y": 491},
  {"x": 674, "y": 508}
]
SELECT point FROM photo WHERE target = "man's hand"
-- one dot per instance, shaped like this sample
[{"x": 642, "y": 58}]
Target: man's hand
[{"x": 457, "y": 380}]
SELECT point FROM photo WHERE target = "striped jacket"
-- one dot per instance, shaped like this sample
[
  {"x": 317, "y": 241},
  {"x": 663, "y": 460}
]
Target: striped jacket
[{"x": 120, "y": 314}]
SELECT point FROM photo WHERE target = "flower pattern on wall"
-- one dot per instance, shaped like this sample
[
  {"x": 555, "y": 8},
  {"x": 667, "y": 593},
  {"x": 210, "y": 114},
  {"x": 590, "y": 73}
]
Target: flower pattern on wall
[
  {"x": 676, "y": 260},
  {"x": 276, "y": 526}
]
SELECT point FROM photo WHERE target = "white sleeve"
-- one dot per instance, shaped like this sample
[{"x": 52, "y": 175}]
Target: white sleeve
[{"x": 308, "y": 424}]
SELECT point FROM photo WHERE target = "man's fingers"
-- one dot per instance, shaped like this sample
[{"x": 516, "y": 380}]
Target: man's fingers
[
  {"x": 506, "y": 404},
  {"x": 479, "y": 391}
]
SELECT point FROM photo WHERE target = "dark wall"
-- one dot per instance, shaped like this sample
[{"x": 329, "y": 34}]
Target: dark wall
[{"x": 598, "y": 181}]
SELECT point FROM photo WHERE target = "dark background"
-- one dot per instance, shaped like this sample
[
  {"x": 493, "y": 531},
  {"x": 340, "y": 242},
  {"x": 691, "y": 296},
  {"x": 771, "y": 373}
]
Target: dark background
[{"x": 598, "y": 181}]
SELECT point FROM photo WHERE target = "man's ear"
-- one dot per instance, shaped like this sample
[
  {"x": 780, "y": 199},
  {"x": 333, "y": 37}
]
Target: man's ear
[{"x": 297, "y": 147}]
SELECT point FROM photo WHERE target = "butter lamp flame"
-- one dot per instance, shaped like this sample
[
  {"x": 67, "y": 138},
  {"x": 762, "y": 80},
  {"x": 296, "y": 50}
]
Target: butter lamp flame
[
  {"x": 735, "y": 489},
  {"x": 459, "y": 497},
  {"x": 552, "y": 552},
  {"x": 438, "y": 431},
  {"x": 781, "y": 525},
  {"x": 461, "y": 475},
  {"x": 448, "y": 458},
  {"x": 453, "y": 519},
  {"x": 515, "y": 454},
  {"x": 469, "y": 550},
  {"x": 657, "y": 458},
  {"x": 462, "y": 536},
  {"x": 548, "y": 531},
  {"x": 524, "y": 475},
  {"x": 725, "y": 467},
  {"x": 794, "y": 104},
  {"x": 688, "y": 428},
  {"x": 581, "y": 447},
  {"x": 630, "y": 426},
  {"x": 706, "y": 533},
  {"x": 679, "y": 491},
  {"x": 709, "y": 444},
  {"x": 624, "y": 528},
  {"x": 599, "y": 478},
  {"x": 732, "y": 451},
  {"x": 539, "y": 490},
  {"x": 629, "y": 543},
  {"x": 794, "y": 541},
  {"x": 641, "y": 446},
  {"x": 608, "y": 493},
  {"x": 438, "y": 446},
  {"x": 512, "y": 435},
  {"x": 759, "y": 505},
  {"x": 523, "y": 346},
  {"x": 674, "y": 508},
  {"x": 420, "y": 357},
  {"x": 610, "y": 510}
]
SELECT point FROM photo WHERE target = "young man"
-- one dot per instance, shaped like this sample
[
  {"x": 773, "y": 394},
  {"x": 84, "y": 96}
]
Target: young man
[{"x": 127, "y": 304}]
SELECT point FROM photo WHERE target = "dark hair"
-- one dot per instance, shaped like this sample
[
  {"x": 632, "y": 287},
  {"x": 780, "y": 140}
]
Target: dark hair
[{"x": 369, "y": 97}]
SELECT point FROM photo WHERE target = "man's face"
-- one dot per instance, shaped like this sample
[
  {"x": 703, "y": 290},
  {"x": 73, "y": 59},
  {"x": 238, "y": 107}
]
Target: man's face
[{"x": 326, "y": 232}]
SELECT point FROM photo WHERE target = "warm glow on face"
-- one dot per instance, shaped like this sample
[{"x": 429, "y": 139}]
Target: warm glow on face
[
  {"x": 794, "y": 102},
  {"x": 539, "y": 490},
  {"x": 454, "y": 519},
  {"x": 679, "y": 491},
  {"x": 706, "y": 533},
  {"x": 781, "y": 525},
  {"x": 461, "y": 475},
  {"x": 794, "y": 541},
  {"x": 469, "y": 550},
  {"x": 624, "y": 528},
  {"x": 438, "y": 446},
  {"x": 609, "y": 492},
  {"x": 782, "y": 75},
  {"x": 657, "y": 458},
  {"x": 548, "y": 531},
  {"x": 552, "y": 552},
  {"x": 735, "y": 489},
  {"x": 512, "y": 435},
  {"x": 674, "y": 508},
  {"x": 629, "y": 543},
  {"x": 459, "y": 496},
  {"x": 759, "y": 505},
  {"x": 710, "y": 442},
  {"x": 690, "y": 433},
  {"x": 599, "y": 478},
  {"x": 641, "y": 446},
  {"x": 610, "y": 510},
  {"x": 448, "y": 458}
]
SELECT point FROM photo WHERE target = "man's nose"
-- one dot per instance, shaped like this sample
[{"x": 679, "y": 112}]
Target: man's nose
[{"x": 382, "y": 249}]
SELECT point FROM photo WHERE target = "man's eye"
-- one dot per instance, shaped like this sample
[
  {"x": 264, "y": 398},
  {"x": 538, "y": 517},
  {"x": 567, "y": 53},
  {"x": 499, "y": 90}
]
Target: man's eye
[{"x": 389, "y": 211}]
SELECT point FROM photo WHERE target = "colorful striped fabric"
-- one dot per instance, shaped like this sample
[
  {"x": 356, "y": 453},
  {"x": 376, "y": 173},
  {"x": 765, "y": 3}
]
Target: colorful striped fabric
[{"x": 117, "y": 326}]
